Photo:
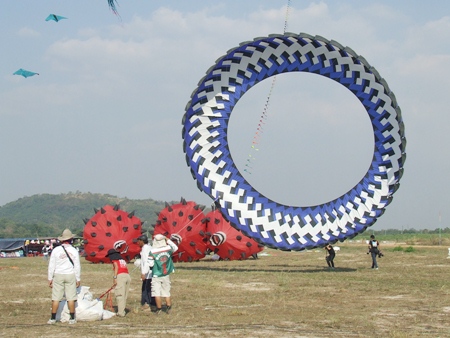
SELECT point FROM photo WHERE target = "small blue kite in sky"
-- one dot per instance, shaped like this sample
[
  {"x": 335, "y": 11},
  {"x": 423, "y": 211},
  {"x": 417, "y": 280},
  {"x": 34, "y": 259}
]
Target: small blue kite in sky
[
  {"x": 55, "y": 17},
  {"x": 25, "y": 73}
]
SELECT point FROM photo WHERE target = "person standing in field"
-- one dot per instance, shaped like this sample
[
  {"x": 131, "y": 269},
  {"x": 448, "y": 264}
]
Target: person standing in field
[
  {"x": 374, "y": 250},
  {"x": 46, "y": 250},
  {"x": 64, "y": 272},
  {"x": 330, "y": 254},
  {"x": 121, "y": 280},
  {"x": 26, "y": 247},
  {"x": 147, "y": 301},
  {"x": 161, "y": 260}
]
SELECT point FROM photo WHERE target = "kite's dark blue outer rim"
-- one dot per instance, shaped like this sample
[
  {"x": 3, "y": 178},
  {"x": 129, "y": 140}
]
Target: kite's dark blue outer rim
[{"x": 272, "y": 224}]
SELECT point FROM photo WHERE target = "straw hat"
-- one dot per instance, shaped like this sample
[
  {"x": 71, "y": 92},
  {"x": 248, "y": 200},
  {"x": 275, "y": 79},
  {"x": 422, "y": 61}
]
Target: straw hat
[
  {"x": 66, "y": 235},
  {"x": 159, "y": 241}
]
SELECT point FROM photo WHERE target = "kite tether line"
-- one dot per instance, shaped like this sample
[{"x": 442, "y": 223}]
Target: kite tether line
[
  {"x": 193, "y": 219},
  {"x": 263, "y": 117}
]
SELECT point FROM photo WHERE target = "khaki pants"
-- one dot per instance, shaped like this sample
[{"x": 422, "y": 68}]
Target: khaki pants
[{"x": 121, "y": 292}]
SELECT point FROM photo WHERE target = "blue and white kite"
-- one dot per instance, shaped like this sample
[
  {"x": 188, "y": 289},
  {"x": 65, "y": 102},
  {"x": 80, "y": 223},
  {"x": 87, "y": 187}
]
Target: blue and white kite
[
  {"x": 285, "y": 227},
  {"x": 55, "y": 17},
  {"x": 25, "y": 73}
]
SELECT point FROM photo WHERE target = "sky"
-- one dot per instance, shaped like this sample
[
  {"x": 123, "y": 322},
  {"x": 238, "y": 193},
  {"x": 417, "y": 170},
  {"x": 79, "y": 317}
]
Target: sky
[{"x": 104, "y": 115}]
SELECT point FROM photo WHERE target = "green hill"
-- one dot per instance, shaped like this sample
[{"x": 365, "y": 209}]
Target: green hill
[{"x": 46, "y": 215}]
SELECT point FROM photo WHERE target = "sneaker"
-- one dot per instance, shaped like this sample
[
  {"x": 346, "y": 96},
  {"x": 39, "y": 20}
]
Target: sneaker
[
  {"x": 168, "y": 308},
  {"x": 158, "y": 311},
  {"x": 72, "y": 321},
  {"x": 51, "y": 321},
  {"x": 145, "y": 307}
]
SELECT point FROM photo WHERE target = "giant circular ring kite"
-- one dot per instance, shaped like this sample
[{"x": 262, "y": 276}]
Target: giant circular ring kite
[{"x": 272, "y": 224}]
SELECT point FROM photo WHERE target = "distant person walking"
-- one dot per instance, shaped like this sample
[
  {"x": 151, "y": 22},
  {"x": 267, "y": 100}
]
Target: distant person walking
[
  {"x": 330, "y": 254},
  {"x": 121, "y": 280},
  {"x": 46, "y": 251},
  {"x": 161, "y": 255},
  {"x": 27, "y": 247},
  {"x": 147, "y": 301},
  {"x": 64, "y": 272},
  {"x": 374, "y": 250}
]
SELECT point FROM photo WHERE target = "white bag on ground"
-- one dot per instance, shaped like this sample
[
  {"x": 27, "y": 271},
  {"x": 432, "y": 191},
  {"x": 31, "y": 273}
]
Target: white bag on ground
[{"x": 86, "y": 308}]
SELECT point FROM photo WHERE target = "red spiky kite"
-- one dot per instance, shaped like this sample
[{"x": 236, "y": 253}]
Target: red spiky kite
[
  {"x": 184, "y": 224},
  {"x": 227, "y": 242},
  {"x": 111, "y": 228}
]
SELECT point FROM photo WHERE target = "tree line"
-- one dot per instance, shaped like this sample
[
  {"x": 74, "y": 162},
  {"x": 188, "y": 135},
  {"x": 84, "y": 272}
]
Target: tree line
[{"x": 47, "y": 215}]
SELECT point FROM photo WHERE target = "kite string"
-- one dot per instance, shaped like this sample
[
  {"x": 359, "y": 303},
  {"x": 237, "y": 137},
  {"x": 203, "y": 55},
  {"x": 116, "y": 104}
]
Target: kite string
[
  {"x": 200, "y": 213},
  {"x": 178, "y": 232},
  {"x": 287, "y": 16},
  {"x": 263, "y": 117}
]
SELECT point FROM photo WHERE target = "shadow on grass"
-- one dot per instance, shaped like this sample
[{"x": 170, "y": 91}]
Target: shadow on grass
[{"x": 277, "y": 268}]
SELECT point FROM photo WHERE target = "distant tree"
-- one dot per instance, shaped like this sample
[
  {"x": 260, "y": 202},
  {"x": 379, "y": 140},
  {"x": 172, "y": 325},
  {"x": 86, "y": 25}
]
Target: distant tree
[{"x": 48, "y": 215}]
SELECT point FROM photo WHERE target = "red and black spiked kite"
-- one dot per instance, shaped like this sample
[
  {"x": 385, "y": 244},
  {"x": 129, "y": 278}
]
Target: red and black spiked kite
[
  {"x": 111, "y": 228},
  {"x": 184, "y": 224},
  {"x": 227, "y": 242}
]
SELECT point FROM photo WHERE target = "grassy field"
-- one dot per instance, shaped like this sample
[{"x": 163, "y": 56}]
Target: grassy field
[
  {"x": 415, "y": 238},
  {"x": 281, "y": 294}
]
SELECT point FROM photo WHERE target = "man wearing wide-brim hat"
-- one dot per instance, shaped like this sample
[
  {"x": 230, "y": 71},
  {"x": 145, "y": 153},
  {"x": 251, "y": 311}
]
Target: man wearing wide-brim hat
[
  {"x": 64, "y": 272},
  {"x": 162, "y": 266}
]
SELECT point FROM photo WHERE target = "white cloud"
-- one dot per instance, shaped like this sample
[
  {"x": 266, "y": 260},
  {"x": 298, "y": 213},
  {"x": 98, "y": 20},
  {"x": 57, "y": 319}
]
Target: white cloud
[
  {"x": 113, "y": 90},
  {"x": 27, "y": 32}
]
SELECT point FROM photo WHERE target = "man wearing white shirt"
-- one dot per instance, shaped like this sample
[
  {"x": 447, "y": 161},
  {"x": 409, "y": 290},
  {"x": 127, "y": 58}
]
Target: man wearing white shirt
[
  {"x": 147, "y": 301},
  {"x": 64, "y": 272}
]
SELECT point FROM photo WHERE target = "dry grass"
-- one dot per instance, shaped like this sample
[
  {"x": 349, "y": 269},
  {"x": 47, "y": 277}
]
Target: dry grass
[{"x": 285, "y": 294}]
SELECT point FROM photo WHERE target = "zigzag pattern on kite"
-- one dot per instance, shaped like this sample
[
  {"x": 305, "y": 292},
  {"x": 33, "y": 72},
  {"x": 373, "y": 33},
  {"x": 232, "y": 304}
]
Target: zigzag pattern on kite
[{"x": 270, "y": 223}]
